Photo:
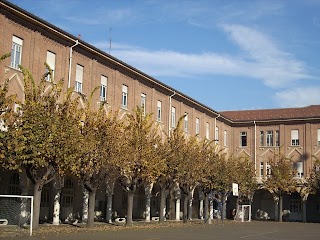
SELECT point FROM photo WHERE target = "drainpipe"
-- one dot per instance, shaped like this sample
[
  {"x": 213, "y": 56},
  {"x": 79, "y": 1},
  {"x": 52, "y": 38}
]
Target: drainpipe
[
  {"x": 170, "y": 106},
  {"x": 255, "y": 147},
  {"x": 70, "y": 62}
]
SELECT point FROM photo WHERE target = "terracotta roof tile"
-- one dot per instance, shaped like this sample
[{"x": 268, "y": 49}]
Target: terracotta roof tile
[{"x": 273, "y": 114}]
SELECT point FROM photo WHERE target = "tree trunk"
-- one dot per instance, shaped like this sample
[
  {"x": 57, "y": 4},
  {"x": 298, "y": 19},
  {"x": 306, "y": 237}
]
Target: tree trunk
[
  {"x": 185, "y": 209},
  {"x": 280, "y": 207},
  {"x": 207, "y": 217},
  {"x": 129, "y": 221},
  {"x": 36, "y": 204},
  {"x": 92, "y": 202},
  {"x": 162, "y": 204},
  {"x": 223, "y": 207}
]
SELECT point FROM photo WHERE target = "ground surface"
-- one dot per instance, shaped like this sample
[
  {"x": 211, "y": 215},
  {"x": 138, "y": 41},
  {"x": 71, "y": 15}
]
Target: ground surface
[{"x": 177, "y": 231}]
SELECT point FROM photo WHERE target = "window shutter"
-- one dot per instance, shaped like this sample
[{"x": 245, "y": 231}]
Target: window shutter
[
  {"x": 17, "y": 40},
  {"x": 104, "y": 80},
  {"x": 51, "y": 60},
  {"x": 79, "y": 73},
  {"x": 294, "y": 134}
]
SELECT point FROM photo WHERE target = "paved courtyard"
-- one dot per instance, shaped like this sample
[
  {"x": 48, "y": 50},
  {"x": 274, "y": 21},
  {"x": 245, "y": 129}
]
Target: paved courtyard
[{"x": 177, "y": 231}]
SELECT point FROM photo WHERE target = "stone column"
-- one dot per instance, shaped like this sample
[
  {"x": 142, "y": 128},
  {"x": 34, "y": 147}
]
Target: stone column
[
  {"x": 201, "y": 198},
  {"x": 276, "y": 208},
  {"x": 148, "y": 189},
  {"x": 211, "y": 209},
  {"x": 85, "y": 205},
  {"x": 56, "y": 207},
  {"x": 57, "y": 185},
  {"x": 178, "y": 207}
]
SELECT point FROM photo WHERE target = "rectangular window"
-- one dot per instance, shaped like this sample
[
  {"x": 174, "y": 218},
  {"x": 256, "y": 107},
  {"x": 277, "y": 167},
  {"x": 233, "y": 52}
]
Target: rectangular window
[
  {"x": 216, "y": 135},
  {"x": 103, "y": 88},
  {"x": 261, "y": 138},
  {"x": 299, "y": 168},
  {"x": 143, "y": 103},
  {"x": 268, "y": 169},
  {"x": 173, "y": 117},
  {"x": 294, "y": 137},
  {"x": 51, "y": 61},
  {"x": 79, "y": 78},
  {"x": 243, "y": 139},
  {"x": 197, "y": 125},
  {"x": 16, "y": 52},
  {"x": 318, "y": 137},
  {"x": 269, "y": 138},
  {"x": 277, "y": 138},
  {"x": 159, "y": 105},
  {"x": 186, "y": 122},
  {"x": 124, "y": 100},
  {"x": 207, "y": 130},
  {"x": 261, "y": 169},
  {"x": 225, "y": 139}
]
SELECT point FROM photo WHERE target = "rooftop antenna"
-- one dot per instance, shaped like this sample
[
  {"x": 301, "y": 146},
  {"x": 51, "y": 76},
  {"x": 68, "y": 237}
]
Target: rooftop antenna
[{"x": 110, "y": 41}]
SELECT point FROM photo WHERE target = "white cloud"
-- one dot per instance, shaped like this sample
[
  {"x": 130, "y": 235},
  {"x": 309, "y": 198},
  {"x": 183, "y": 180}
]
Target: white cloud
[
  {"x": 260, "y": 59},
  {"x": 299, "y": 97},
  {"x": 276, "y": 67}
]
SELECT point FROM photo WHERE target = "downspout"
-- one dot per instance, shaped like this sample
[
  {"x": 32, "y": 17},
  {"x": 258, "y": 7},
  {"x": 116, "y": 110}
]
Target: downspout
[
  {"x": 70, "y": 62},
  {"x": 170, "y": 106},
  {"x": 255, "y": 147}
]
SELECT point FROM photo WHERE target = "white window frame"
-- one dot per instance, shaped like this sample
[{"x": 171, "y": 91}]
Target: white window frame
[
  {"x": 295, "y": 137},
  {"x": 103, "y": 88},
  {"x": 16, "y": 52},
  {"x": 159, "y": 111},
  {"x": 51, "y": 61},
  {"x": 173, "y": 117},
  {"x": 185, "y": 125},
  {"x": 79, "y": 78},
  {"x": 268, "y": 170},
  {"x": 208, "y": 130},
  {"x": 197, "y": 125},
  {"x": 143, "y": 103},
  {"x": 124, "y": 99},
  {"x": 261, "y": 169},
  {"x": 318, "y": 137},
  {"x": 216, "y": 135},
  {"x": 225, "y": 140},
  {"x": 269, "y": 138}
]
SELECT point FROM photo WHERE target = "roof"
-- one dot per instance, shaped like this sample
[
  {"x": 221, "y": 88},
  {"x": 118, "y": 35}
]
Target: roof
[{"x": 312, "y": 111}]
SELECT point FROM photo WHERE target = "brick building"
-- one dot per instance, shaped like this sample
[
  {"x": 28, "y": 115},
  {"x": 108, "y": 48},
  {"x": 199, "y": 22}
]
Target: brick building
[{"x": 255, "y": 134}]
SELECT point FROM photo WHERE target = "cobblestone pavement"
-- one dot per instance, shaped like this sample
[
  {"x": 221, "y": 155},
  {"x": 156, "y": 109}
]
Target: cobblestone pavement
[{"x": 177, "y": 231}]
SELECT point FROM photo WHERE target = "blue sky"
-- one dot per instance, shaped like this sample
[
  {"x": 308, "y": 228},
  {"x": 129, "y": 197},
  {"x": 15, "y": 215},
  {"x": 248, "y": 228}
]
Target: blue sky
[{"x": 228, "y": 55}]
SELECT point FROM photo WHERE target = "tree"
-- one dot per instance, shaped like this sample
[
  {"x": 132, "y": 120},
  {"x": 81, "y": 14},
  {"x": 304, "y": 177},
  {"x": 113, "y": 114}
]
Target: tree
[
  {"x": 140, "y": 162},
  {"x": 174, "y": 146},
  {"x": 245, "y": 177},
  {"x": 209, "y": 158},
  {"x": 99, "y": 147},
  {"x": 190, "y": 172},
  {"x": 313, "y": 182},
  {"x": 6, "y": 112},
  {"x": 44, "y": 134},
  {"x": 282, "y": 178},
  {"x": 224, "y": 176}
]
